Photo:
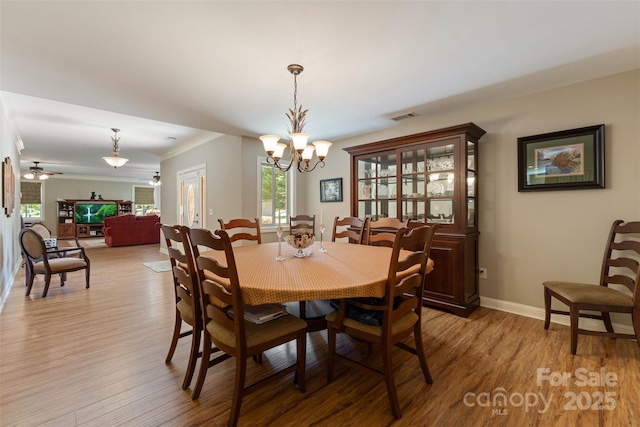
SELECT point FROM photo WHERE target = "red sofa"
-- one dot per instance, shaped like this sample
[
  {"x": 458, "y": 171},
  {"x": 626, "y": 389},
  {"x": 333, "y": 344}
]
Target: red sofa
[{"x": 127, "y": 230}]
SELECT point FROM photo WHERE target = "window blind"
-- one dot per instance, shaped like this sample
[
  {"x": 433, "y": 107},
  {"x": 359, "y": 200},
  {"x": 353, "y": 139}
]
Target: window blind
[
  {"x": 144, "y": 196},
  {"x": 31, "y": 192}
]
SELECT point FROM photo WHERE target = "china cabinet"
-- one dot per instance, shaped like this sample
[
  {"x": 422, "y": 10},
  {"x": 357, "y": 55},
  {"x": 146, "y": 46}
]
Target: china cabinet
[{"x": 430, "y": 177}]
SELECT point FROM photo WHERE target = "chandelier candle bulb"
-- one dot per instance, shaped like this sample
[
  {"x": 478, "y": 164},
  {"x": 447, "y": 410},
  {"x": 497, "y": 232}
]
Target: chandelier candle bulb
[
  {"x": 270, "y": 143},
  {"x": 299, "y": 140},
  {"x": 322, "y": 148},
  {"x": 279, "y": 150},
  {"x": 307, "y": 153}
]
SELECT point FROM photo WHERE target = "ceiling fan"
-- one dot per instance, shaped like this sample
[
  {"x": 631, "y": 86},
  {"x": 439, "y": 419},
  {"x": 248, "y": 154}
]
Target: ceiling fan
[
  {"x": 155, "y": 181},
  {"x": 36, "y": 172}
]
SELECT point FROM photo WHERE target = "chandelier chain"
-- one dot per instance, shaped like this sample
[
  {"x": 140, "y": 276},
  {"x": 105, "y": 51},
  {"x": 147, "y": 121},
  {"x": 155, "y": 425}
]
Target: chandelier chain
[{"x": 295, "y": 93}]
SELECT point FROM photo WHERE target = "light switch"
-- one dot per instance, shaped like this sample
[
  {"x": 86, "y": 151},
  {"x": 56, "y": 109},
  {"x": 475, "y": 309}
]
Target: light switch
[{"x": 210, "y": 211}]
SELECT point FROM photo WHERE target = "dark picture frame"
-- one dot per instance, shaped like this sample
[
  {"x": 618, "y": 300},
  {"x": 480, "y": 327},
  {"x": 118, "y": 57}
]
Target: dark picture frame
[
  {"x": 565, "y": 160},
  {"x": 331, "y": 190}
]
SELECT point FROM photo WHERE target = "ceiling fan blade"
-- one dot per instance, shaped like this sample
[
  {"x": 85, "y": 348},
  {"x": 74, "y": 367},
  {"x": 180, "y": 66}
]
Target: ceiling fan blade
[{"x": 37, "y": 170}]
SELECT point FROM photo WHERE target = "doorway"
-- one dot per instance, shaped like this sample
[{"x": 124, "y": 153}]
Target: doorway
[{"x": 191, "y": 200}]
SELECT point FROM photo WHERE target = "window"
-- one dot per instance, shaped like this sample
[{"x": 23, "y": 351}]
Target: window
[
  {"x": 31, "y": 208},
  {"x": 275, "y": 189},
  {"x": 143, "y": 199}
]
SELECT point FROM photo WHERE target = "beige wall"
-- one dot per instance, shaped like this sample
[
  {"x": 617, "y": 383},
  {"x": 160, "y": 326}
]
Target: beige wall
[
  {"x": 527, "y": 238},
  {"x": 222, "y": 157},
  {"x": 9, "y": 226}
]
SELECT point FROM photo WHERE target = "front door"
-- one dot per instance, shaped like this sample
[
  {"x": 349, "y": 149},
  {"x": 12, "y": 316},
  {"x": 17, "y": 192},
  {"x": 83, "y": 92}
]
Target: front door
[{"x": 191, "y": 186}]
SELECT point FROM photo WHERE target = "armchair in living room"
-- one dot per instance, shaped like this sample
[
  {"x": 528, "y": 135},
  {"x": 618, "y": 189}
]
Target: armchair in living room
[{"x": 56, "y": 242}]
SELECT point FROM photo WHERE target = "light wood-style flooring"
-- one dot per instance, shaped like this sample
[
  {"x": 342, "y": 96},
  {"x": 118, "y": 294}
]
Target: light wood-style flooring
[{"x": 95, "y": 357}]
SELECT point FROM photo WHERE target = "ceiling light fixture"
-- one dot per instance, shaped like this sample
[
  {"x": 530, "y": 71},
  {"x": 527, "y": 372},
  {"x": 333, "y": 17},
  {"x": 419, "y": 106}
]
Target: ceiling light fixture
[
  {"x": 32, "y": 175},
  {"x": 155, "y": 181},
  {"x": 116, "y": 161},
  {"x": 300, "y": 153},
  {"x": 36, "y": 172}
]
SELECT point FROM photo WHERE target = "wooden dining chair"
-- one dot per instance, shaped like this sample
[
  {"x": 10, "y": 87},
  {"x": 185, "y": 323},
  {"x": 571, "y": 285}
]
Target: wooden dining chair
[
  {"x": 302, "y": 222},
  {"x": 308, "y": 223},
  {"x": 382, "y": 232},
  {"x": 226, "y": 327},
  {"x": 187, "y": 296},
  {"x": 40, "y": 260},
  {"x": 398, "y": 313},
  {"x": 620, "y": 267},
  {"x": 240, "y": 227},
  {"x": 349, "y": 227}
]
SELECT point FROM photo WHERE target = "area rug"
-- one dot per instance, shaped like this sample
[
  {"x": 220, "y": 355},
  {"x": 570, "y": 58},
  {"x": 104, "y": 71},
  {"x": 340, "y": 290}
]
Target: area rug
[
  {"x": 158, "y": 266},
  {"x": 93, "y": 243}
]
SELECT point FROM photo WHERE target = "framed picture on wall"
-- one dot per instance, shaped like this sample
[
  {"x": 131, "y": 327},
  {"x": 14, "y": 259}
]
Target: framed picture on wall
[
  {"x": 331, "y": 190},
  {"x": 8, "y": 187},
  {"x": 565, "y": 160}
]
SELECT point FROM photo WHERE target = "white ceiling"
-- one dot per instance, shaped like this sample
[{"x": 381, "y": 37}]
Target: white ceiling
[{"x": 72, "y": 70}]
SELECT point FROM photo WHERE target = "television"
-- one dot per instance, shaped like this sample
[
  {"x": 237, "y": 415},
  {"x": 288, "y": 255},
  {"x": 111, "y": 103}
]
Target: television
[{"x": 94, "y": 213}]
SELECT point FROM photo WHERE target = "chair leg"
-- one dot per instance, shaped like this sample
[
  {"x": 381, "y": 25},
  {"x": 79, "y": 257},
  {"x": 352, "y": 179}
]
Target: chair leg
[
  {"x": 606, "y": 317},
  {"x": 86, "y": 277},
  {"x": 30, "y": 278},
  {"x": 301, "y": 341},
  {"x": 47, "y": 281},
  {"x": 193, "y": 356},
  {"x": 635, "y": 319},
  {"x": 417, "y": 333},
  {"x": 238, "y": 390},
  {"x": 547, "y": 308},
  {"x": 303, "y": 309},
  {"x": 574, "y": 314},
  {"x": 331, "y": 344},
  {"x": 389, "y": 381},
  {"x": 204, "y": 365},
  {"x": 174, "y": 339}
]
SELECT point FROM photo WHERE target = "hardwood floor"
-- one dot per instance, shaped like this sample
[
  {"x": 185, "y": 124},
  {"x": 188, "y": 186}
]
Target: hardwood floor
[{"x": 95, "y": 357}]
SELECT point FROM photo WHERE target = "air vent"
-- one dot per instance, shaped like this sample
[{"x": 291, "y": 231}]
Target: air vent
[{"x": 404, "y": 116}]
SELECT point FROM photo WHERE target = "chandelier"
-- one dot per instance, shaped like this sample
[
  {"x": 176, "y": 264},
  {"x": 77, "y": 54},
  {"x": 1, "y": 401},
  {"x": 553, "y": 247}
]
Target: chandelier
[
  {"x": 116, "y": 161},
  {"x": 300, "y": 154}
]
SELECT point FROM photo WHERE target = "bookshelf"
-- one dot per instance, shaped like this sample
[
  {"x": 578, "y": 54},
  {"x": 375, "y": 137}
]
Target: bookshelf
[{"x": 68, "y": 224}]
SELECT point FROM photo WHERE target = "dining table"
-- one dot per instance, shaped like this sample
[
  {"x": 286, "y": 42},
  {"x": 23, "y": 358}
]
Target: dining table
[{"x": 344, "y": 270}]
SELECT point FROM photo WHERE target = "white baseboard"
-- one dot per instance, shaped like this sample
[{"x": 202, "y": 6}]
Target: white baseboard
[
  {"x": 9, "y": 286},
  {"x": 538, "y": 313}
]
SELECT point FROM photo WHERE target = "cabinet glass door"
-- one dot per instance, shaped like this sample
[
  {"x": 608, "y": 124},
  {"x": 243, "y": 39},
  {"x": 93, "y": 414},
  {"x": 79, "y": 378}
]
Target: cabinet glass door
[
  {"x": 471, "y": 184},
  {"x": 367, "y": 172},
  {"x": 377, "y": 187},
  {"x": 440, "y": 184},
  {"x": 413, "y": 180}
]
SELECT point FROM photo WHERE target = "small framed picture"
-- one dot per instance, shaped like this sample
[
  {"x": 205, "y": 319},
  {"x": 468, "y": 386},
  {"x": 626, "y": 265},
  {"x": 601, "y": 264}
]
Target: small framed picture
[
  {"x": 331, "y": 190},
  {"x": 565, "y": 160}
]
